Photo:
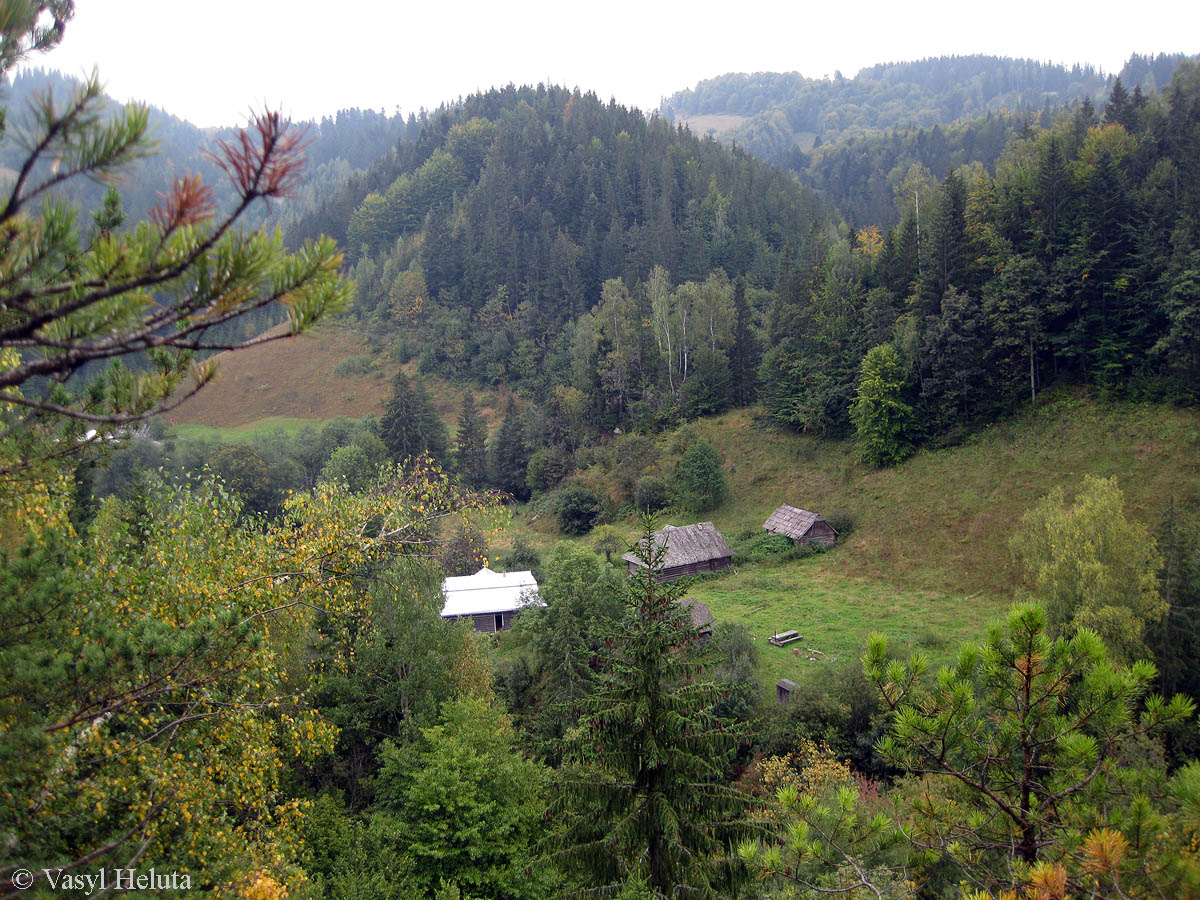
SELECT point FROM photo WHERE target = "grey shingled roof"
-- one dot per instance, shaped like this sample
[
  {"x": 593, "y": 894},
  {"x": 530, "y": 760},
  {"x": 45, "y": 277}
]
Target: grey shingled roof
[
  {"x": 702, "y": 617},
  {"x": 687, "y": 544},
  {"x": 790, "y": 521}
]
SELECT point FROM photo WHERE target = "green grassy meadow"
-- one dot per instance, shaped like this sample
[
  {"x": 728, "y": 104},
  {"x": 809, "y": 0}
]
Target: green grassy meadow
[
  {"x": 835, "y": 616},
  {"x": 288, "y": 424},
  {"x": 928, "y": 562}
]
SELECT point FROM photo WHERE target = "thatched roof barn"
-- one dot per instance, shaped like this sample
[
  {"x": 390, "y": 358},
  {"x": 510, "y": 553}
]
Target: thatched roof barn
[
  {"x": 690, "y": 550},
  {"x": 702, "y": 617},
  {"x": 802, "y": 526}
]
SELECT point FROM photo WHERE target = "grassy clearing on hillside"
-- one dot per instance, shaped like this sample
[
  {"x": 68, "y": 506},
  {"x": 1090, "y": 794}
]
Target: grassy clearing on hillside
[
  {"x": 243, "y": 432},
  {"x": 292, "y": 378},
  {"x": 836, "y": 616},
  {"x": 942, "y": 520},
  {"x": 928, "y": 562},
  {"x": 311, "y": 379}
]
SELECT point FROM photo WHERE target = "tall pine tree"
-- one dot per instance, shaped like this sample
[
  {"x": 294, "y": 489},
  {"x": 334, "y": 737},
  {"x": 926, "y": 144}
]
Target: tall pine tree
[
  {"x": 509, "y": 455},
  {"x": 745, "y": 354},
  {"x": 640, "y": 798},
  {"x": 410, "y": 425},
  {"x": 470, "y": 451}
]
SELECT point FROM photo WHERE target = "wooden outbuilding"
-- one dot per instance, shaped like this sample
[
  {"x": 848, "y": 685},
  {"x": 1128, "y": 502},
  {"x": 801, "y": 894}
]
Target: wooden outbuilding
[
  {"x": 783, "y": 689},
  {"x": 702, "y": 617},
  {"x": 690, "y": 550},
  {"x": 801, "y": 526}
]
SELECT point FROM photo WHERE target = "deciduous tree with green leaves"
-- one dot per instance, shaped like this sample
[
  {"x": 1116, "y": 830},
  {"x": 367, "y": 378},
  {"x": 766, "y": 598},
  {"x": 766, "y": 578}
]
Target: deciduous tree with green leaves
[
  {"x": 883, "y": 423},
  {"x": 698, "y": 484},
  {"x": 1091, "y": 566},
  {"x": 469, "y": 806}
]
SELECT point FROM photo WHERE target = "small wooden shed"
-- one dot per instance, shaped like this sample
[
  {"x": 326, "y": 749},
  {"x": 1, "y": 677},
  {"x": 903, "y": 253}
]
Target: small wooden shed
[
  {"x": 802, "y": 526},
  {"x": 783, "y": 689},
  {"x": 690, "y": 550},
  {"x": 702, "y": 617}
]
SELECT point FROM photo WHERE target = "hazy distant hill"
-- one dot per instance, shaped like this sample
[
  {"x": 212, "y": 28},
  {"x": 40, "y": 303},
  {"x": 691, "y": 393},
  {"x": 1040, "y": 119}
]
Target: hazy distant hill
[
  {"x": 778, "y": 113},
  {"x": 338, "y": 146},
  {"x": 855, "y": 138}
]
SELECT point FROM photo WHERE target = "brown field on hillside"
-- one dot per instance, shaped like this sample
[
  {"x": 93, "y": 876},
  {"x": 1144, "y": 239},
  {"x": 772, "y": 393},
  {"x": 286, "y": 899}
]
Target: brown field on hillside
[
  {"x": 292, "y": 377},
  {"x": 295, "y": 378},
  {"x": 714, "y": 124}
]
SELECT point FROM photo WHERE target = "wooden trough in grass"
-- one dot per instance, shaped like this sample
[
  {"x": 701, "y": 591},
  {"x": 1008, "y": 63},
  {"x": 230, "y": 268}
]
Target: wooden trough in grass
[{"x": 783, "y": 638}]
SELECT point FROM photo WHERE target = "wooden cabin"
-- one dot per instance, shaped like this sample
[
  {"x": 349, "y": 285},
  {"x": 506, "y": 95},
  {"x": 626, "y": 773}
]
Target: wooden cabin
[
  {"x": 491, "y": 600},
  {"x": 801, "y": 526},
  {"x": 690, "y": 550}
]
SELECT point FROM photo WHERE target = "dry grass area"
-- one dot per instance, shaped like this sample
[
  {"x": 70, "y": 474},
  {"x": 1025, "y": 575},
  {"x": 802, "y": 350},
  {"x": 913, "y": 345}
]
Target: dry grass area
[
  {"x": 711, "y": 124},
  {"x": 296, "y": 379},
  {"x": 290, "y": 378}
]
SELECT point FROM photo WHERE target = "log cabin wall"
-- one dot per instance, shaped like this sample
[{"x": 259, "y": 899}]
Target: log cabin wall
[{"x": 820, "y": 533}]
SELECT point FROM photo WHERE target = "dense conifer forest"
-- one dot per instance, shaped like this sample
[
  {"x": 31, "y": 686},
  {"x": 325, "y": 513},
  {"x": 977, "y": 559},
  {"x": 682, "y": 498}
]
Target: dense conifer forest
[{"x": 224, "y": 665}]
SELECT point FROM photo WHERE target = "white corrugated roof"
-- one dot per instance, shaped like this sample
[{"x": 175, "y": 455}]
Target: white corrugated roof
[{"x": 489, "y": 592}]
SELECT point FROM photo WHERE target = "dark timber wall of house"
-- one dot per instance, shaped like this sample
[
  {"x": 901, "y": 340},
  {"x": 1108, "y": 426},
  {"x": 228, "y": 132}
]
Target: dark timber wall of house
[
  {"x": 485, "y": 623},
  {"x": 696, "y": 568}
]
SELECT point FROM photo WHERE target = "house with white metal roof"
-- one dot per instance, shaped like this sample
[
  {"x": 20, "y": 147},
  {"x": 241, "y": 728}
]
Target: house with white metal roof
[{"x": 491, "y": 600}]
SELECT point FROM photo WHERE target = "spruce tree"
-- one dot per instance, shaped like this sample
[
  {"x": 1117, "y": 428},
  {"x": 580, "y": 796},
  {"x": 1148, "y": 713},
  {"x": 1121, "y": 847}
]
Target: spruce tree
[
  {"x": 640, "y": 798},
  {"x": 948, "y": 250},
  {"x": 509, "y": 455},
  {"x": 470, "y": 452},
  {"x": 745, "y": 354},
  {"x": 410, "y": 425},
  {"x": 1119, "y": 109}
]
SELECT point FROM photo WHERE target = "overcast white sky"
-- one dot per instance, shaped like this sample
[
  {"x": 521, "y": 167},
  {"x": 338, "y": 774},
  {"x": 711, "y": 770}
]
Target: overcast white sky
[{"x": 210, "y": 62}]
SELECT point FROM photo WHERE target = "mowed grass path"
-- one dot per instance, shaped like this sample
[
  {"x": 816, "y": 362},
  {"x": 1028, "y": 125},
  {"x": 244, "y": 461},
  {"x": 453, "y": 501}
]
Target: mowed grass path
[{"x": 235, "y": 433}]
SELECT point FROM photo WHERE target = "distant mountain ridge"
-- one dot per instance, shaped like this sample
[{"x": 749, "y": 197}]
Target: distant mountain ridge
[
  {"x": 786, "y": 113},
  {"x": 337, "y": 146}
]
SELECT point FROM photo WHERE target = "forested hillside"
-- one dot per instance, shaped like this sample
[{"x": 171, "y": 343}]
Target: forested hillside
[
  {"x": 621, "y": 272},
  {"x": 1076, "y": 260},
  {"x": 855, "y": 138},
  {"x": 542, "y": 238}
]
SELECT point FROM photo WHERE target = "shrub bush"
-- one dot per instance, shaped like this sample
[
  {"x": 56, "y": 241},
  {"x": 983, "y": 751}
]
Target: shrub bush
[
  {"x": 842, "y": 521},
  {"x": 650, "y": 494},
  {"x": 522, "y": 557},
  {"x": 758, "y": 547},
  {"x": 547, "y": 467},
  {"x": 577, "y": 509},
  {"x": 355, "y": 365}
]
